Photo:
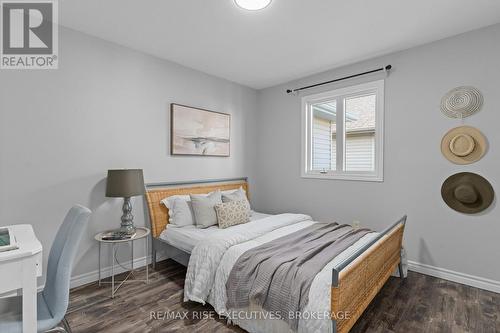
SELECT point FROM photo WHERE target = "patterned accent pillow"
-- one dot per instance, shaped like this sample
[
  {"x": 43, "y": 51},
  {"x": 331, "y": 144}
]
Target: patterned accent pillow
[{"x": 232, "y": 213}]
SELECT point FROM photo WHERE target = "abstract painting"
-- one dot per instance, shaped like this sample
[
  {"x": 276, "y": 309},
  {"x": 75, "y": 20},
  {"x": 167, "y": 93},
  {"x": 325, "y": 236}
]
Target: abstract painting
[{"x": 199, "y": 132}]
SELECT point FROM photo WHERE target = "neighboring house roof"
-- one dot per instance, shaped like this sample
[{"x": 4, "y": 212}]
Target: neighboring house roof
[
  {"x": 360, "y": 116},
  {"x": 328, "y": 111}
]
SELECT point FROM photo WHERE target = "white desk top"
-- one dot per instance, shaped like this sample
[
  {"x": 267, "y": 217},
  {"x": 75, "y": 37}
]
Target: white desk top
[{"x": 28, "y": 244}]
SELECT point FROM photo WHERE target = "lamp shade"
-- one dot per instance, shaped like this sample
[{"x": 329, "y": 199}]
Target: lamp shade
[{"x": 125, "y": 183}]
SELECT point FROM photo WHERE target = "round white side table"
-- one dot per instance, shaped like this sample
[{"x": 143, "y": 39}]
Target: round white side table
[{"x": 141, "y": 233}]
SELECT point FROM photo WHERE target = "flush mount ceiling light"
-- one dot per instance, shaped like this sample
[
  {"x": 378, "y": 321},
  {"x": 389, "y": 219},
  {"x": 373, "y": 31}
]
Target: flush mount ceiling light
[{"x": 252, "y": 4}]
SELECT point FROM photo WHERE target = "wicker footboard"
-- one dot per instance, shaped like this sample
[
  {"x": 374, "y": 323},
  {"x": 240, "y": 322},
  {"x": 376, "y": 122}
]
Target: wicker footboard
[{"x": 355, "y": 284}]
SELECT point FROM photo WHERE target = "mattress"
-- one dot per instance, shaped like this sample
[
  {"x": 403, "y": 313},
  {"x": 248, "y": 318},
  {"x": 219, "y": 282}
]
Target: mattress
[{"x": 186, "y": 238}]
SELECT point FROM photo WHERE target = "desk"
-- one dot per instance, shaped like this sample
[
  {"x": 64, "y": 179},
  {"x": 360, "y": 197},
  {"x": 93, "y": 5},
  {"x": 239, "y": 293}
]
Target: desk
[{"x": 20, "y": 268}]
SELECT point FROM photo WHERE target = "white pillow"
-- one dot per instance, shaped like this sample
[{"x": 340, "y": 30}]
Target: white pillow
[
  {"x": 228, "y": 191},
  {"x": 168, "y": 200},
  {"x": 204, "y": 208},
  {"x": 236, "y": 195},
  {"x": 180, "y": 212}
]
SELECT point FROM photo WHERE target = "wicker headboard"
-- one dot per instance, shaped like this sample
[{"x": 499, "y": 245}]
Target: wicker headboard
[{"x": 158, "y": 213}]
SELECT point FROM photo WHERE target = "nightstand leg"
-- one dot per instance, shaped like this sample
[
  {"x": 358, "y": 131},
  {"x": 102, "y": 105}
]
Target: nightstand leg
[
  {"x": 113, "y": 270},
  {"x": 147, "y": 266},
  {"x": 132, "y": 257},
  {"x": 100, "y": 264}
]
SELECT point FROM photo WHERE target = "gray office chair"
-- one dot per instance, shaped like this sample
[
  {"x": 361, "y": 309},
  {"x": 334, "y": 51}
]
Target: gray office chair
[{"x": 53, "y": 301}]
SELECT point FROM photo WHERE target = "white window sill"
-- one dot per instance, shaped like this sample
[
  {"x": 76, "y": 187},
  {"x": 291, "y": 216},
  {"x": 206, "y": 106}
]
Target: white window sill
[{"x": 354, "y": 177}]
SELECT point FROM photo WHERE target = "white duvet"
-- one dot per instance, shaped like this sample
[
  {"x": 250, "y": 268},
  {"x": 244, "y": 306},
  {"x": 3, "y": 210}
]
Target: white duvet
[{"x": 212, "y": 260}]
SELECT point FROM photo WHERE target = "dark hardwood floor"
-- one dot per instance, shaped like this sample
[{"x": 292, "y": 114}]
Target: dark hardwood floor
[{"x": 417, "y": 304}]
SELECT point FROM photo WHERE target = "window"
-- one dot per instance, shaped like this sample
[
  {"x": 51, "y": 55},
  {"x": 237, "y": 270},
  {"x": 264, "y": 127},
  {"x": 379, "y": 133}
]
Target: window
[{"x": 343, "y": 133}]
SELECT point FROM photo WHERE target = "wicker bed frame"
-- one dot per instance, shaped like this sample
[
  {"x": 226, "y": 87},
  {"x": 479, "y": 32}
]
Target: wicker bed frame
[
  {"x": 355, "y": 282},
  {"x": 158, "y": 213}
]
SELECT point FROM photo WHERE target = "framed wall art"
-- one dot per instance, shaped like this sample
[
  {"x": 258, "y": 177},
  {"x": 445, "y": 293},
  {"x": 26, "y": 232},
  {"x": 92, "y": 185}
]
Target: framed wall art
[{"x": 199, "y": 132}]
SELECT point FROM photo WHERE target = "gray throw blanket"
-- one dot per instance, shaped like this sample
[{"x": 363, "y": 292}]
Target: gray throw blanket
[{"x": 277, "y": 275}]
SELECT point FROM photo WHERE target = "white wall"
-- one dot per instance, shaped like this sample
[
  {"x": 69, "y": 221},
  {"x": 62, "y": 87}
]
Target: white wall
[
  {"x": 105, "y": 107},
  {"x": 414, "y": 166}
]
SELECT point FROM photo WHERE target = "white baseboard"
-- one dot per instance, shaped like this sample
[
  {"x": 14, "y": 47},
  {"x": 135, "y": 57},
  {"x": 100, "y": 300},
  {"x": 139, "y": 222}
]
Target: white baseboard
[
  {"x": 446, "y": 274},
  {"x": 85, "y": 278},
  {"x": 80, "y": 280}
]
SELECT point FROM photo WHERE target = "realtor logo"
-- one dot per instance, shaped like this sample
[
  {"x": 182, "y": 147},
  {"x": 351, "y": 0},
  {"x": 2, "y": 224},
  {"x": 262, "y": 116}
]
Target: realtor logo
[{"x": 29, "y": 36}]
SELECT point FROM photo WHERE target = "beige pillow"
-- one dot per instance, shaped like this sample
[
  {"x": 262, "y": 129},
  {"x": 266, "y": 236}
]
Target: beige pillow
[
  {"x": 204, "y": 208},
  {"x": 232, "y": 213}
]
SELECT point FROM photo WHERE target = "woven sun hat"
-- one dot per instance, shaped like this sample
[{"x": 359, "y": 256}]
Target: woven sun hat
[
  {"x": 463, "y": 145},
  {"x": 461, "y": 102},
  {"x": 467, "y": 192}
]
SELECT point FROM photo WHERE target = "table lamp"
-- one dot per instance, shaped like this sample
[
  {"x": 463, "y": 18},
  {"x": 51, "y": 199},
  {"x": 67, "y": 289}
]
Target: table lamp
[{"x": 125, "y": 183}]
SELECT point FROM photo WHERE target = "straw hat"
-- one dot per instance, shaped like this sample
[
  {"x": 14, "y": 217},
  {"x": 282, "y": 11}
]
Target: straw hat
[
  {"x": 463, "y": 145},
  {"x": 467, "y": 192}
]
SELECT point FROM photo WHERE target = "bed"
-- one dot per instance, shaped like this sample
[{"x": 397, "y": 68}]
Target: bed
[{"x": 351, "y": 280}]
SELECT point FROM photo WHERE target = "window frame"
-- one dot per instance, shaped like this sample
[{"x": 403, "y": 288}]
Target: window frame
[{"x": 340, "y": 94}]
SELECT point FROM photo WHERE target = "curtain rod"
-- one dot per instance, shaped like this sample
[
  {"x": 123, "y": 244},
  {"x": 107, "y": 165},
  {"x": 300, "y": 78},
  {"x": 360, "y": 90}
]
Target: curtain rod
[{"x": 385, "y": 69}]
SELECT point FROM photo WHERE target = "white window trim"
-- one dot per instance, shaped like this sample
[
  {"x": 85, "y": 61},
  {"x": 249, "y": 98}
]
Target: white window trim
[{"x": 306, "y": 126}]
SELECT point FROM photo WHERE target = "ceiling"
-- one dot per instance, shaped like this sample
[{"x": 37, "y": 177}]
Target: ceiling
[{"x": 287, "y": 40}]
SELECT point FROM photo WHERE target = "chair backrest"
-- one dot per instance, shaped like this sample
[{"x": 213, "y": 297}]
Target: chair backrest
[{"x": 61, "y": 257}]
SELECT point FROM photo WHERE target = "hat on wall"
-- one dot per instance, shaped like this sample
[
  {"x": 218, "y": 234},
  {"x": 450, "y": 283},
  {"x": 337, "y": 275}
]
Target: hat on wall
[
  {"x": 463, "y": 145},
  {"x": 461, "y": 102},
  {"x": 467, "y": 192}
]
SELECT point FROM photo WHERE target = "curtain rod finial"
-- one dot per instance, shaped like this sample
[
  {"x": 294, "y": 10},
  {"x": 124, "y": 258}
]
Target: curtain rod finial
[{"x": 388, "y": 67}]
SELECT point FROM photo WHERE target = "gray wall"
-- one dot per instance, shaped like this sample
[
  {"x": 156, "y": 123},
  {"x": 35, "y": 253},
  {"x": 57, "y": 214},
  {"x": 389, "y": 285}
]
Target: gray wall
[
  {"x": 105, "y": 107},
  {"x": 414, "y": 167}
]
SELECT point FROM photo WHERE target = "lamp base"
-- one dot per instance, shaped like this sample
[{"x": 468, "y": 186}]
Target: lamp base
[
  {"x": 127, "y": 226},
  {"x": 127, "y": 229}
]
